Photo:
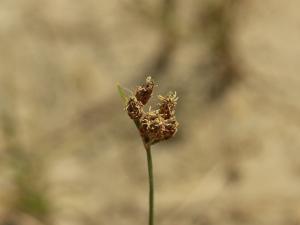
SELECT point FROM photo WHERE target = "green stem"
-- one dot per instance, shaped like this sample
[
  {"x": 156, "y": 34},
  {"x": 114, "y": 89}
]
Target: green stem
[{"x": 151, "y": 184}]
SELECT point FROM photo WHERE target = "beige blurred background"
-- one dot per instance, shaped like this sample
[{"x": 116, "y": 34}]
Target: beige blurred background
[{"x": 69, "y": 154}]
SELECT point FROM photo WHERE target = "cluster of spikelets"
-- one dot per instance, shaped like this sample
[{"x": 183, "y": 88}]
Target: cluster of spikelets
[{"x": 154, "y": 125}]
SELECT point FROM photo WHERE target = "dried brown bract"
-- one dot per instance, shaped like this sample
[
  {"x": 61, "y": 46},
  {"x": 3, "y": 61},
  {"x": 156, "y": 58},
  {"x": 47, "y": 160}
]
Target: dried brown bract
[{"x": 154, "y": 125}]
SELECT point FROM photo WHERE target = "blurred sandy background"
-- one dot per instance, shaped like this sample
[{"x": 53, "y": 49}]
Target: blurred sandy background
[{"x": 69, "y": 154}]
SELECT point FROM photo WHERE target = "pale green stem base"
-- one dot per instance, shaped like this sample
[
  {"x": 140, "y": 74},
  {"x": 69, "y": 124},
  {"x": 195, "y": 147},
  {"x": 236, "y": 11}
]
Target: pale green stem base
[{"x": 151, "y": 185}]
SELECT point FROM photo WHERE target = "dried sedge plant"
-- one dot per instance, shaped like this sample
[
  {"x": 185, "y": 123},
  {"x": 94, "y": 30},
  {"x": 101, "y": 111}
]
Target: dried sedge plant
[{"x": 154, "y": 125}]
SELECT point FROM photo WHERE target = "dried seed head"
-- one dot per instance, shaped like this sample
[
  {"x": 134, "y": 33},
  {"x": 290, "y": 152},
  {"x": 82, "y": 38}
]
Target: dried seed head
[
  {"x": 134, "y": 108},
  {"x": 144, "y": 92},
  {"x": 154, "y": 125},
  {"x": 167, "y": 105}
]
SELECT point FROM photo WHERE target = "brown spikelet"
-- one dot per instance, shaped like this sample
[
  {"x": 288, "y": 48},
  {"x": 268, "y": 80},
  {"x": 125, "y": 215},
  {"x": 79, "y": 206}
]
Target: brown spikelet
[
  {"x": 134, "y": 108},
  {"x": 152, "y": 125},
  {"x": 170, "y": 128},
  {"x": 144, "y": 92},
  {"x": 167, "y": 105}
]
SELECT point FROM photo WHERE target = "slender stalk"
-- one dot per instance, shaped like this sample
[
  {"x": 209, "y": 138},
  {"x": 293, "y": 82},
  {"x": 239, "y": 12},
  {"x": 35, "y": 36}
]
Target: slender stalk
[{"x": 151, "y": 184}]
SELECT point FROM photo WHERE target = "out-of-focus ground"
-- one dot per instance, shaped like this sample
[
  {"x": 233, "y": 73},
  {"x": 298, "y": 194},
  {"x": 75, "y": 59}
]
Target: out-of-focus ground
[{"x": 69, "y": 154}]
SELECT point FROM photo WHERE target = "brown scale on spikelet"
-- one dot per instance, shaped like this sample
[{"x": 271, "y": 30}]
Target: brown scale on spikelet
[
  {"x": 134, "y": 108},
  {"x": 144, "y": 92},
  {"x": 152, "y": 125},
  {"x": 167, "y": 105},
  {"x": 170, "y": 128},
  {"x": 155, "y": 125}
]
